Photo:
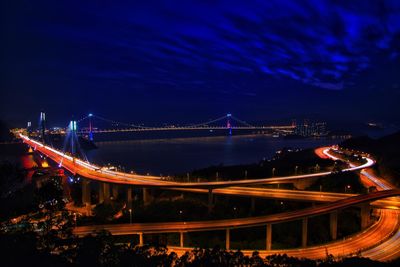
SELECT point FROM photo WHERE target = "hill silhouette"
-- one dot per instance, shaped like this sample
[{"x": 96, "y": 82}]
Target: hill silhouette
[{"x": 386, "y": 150}]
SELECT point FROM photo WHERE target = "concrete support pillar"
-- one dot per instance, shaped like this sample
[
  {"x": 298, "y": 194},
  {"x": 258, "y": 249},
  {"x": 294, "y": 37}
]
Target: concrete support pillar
[
  {"x": 101, "y": 193},
  {"x": 269, "y": 237},
  {"x": 181, "y": 240},
  {"x": 253, "y": 205},
  {"x": 365, "y": 215},
  {"x": 85, "y": 191},
  {"x": 228, "y": 239},
  {"x": 104, "y": 192},
  {"x": 129, "y": 197},
  {"x": 333, "y": 218},
  {"x": 140, "y": 239},
  {"x": 304, "y": 232},
  {"x": 115, "y": 191},
  {"x": 106, "y": 188},
  {"x": 146, "y": 196},
  {"x": 66, "y": 188},
  {"x": 210, "y": 200},
  {"x": 86, "y": 198}
]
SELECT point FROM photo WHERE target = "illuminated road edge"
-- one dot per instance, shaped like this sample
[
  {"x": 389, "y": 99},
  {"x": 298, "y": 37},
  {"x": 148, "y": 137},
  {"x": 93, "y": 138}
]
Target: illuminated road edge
[
  {"x": 91, "y": 171},
  {"x": 384, "y": 229}
]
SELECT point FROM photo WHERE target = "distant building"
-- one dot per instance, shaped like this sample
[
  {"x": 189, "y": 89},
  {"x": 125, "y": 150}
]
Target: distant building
[{"x": 308, "y": 129}]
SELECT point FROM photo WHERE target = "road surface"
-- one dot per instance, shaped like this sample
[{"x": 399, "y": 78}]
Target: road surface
[
  {"x": 380, "y": 241},
  {"x": 98, "y": 173}
]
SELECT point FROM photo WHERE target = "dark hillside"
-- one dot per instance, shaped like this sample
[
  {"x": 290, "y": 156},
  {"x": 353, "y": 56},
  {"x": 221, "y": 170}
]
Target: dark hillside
[{"x": 385, "y": 149}]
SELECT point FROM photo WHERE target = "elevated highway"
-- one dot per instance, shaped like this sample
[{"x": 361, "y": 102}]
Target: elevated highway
[
  {"x": 98, "y": 173},
  {"x": 291, "y": 195},
  {"x": 166, "y": 227},
  {"x": 378, "y": 241}
]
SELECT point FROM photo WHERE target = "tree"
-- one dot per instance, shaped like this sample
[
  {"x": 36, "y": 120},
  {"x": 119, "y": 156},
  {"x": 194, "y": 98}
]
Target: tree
[
  {"x": 10, "y": 175},
  {"x": 50, "y": 195}
]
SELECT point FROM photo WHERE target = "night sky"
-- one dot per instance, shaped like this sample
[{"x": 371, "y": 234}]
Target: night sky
[{"x": 189, "y": 61}]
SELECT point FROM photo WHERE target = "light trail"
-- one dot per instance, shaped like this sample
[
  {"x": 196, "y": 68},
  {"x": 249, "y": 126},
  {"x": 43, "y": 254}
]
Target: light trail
[
  {"x": 98, "y": 173},
  {"x": 385, "y": 232}
]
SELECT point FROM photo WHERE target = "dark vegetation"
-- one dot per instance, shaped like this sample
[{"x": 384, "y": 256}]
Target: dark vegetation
[
  {"x": 20, "y": 249},
  {"x": 385, "y": 150},
  {"x": 191, "y": 207},
  {"x": 5, "y": 135},
  {"x": 10, "y": 175},
  {"x": 18, "y": 203},
  {"x": 345, "y": 182},
  {"x": 285, "y": 162},
  {"x": 16, "y": 198}
]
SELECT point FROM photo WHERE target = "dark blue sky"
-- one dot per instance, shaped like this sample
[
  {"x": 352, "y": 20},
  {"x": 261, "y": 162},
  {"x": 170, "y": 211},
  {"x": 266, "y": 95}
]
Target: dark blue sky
[{"x": 189, "y": 61}]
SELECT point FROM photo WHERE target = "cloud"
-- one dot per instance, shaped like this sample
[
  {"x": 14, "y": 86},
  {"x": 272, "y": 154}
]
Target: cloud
[
  {"x": 329, "y": 86},
  {"x": 319, "y": 43}
]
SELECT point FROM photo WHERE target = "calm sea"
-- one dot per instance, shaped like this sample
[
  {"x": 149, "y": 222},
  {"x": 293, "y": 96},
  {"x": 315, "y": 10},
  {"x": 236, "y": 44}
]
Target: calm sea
[{"x": 171, "y": 156}]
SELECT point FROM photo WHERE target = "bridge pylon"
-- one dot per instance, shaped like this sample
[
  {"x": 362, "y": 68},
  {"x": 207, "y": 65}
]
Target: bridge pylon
[
  {"x": 72, "y": 129},
  {"x": 42, "y": 126},
  {"x": 229, "y": 123},
  {"x": 90, "y": 127}
]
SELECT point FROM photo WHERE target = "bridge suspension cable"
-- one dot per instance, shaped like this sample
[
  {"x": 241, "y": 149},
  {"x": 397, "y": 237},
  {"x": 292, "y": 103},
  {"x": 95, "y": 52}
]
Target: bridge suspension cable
[
  {"x": 206, "y": 123},
  {"x": 243, "y": 122},
  {"x": 71, "y": 140},
  {"x": 120, "y": 123},
  {"x": 84, "y": 118}
]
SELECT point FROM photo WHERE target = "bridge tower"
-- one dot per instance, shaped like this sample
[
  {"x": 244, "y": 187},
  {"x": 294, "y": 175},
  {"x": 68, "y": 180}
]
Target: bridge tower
[
  {"x": 42, "y": 126},
  {"x": 72, "y": 128},
  {"x": 228, "y": 123},
  {"x": 90, "y": 127},
  {"x": 29, "y": 128}
]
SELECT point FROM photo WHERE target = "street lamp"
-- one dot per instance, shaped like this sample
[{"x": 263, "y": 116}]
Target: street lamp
[
  {"x": 130, "y": 216},
  {"x": 273, "y": 172},
  {"x": 180, "y": 215},
  {"x": 295, "y": 169}
]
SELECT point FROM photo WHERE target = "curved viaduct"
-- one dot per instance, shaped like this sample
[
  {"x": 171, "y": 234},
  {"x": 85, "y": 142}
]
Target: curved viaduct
[{"x": 384, "y": 232}]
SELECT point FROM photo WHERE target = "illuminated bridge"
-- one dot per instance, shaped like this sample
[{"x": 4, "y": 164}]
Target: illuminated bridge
[{"x": 227, "y": 122}]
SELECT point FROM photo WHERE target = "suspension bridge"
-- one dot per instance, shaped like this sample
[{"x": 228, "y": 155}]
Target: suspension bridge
[
  {"x": 92, "y": 124},
  {"x": 227, "y": 122}
]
